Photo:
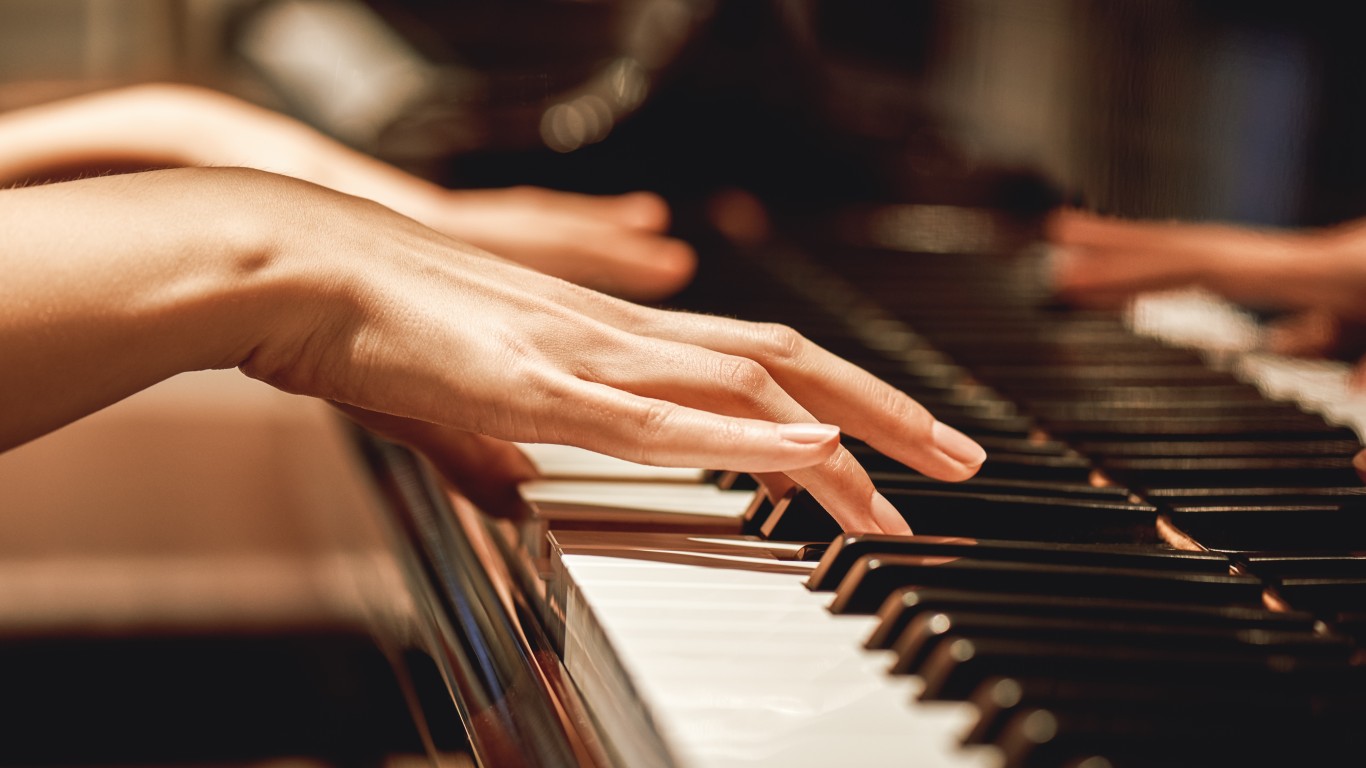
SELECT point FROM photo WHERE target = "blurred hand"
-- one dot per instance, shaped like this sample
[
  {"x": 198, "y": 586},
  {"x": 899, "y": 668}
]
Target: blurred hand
[
  {"x": 1319, "y": 273},
  {"x": 616, "y": 244}
]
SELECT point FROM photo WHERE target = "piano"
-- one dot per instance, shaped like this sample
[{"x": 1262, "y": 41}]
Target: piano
[
  {"x": 1159, "y": 565},
  {"x": 1163, "y": 561},
  {"x": 1159, "y": 560}
]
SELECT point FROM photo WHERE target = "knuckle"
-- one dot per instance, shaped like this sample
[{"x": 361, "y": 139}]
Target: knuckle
[
  {"x": 845, "y": 471},
  {"x": 840, "y": 478},
  {"x": 898, "y": 406},
  {"x": 744, "y": 377},
  {"x": 732, "y": 433},
  {"x": 779, "y": 342},
  {"x": 652, "y": 423}
]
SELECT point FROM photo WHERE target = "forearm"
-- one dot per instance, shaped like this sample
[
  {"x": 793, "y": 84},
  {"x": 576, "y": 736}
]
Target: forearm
[
  {"x": 164, "y": 125},
  {"x": 145, "y": 125},
  {"x": 112, "y": 284}
]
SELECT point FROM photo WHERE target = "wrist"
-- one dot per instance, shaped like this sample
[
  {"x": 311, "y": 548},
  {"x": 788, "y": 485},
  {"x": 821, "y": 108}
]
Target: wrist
[{"x": 115, "y": 283}]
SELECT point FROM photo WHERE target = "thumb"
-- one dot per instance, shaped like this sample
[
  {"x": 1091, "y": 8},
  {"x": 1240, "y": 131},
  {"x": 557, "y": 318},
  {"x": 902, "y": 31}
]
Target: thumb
[{"x": 483, "y": 469}]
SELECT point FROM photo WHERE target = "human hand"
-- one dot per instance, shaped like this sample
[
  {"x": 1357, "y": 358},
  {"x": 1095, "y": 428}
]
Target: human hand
[
  {"x": 1320, "y": 273},
  {"x": 616, "y": 244},
  {"x": 611, "y": 243},
  {"x": 1102, "y": 260},
  {"x": 115, "y": 283},
  {"x": 404, "y": 321}
]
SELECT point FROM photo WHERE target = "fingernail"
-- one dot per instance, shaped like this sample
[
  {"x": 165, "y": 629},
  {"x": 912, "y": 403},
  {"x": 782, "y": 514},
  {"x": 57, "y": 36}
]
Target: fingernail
[
  {"x": 957, "y": 445},
  {"x": 808, "y": 434},
  {"x": 887, "y": 516}
]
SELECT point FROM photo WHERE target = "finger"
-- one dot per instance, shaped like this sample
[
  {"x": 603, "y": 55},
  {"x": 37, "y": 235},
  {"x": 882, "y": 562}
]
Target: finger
[
  {"x": 636, "y": 210},
  {"x": 1089, "y": 271},
  {"x": 643, "y": 211},
  {"x": 487, "y": 471},
  {"x": 646, "y": 430},
  {"x": 1080, "y": 228},
  {"x": 738, "y": 386},
  {"x": 1307, "y": 334},
  {"x": 846, "y": 492},
  {"x": 835, "y": 391},
  {"x": 632, "y": 265}
]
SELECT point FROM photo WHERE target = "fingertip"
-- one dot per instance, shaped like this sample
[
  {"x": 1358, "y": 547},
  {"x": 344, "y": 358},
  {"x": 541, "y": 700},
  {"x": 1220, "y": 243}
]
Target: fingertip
[
  {"x": 667, "y": 268},
  {"x": 962, "y": 449},
  {"x": 643, "y": 210},
  {"x": 809, "y": 434},
  {"x": 888, "y": 518}
]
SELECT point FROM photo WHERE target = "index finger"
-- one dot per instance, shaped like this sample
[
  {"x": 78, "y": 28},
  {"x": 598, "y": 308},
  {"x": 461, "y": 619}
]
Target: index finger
[{"x": 836, "y": 392}]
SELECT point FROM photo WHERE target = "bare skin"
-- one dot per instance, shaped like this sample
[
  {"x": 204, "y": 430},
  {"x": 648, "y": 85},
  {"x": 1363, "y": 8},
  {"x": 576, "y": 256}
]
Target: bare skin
[
  {"x": 1318, "y": 273},
  {"x": 611, "y": 243},
  {"x": 115, "y": 283}
]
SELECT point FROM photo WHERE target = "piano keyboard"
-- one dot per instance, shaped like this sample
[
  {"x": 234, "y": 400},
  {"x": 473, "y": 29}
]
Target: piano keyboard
[{"x": 1157, "y": 565}]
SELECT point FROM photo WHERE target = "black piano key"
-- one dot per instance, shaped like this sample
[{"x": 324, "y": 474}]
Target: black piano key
[
  {"x": 1312, "y": 565},
  {"x": 1229, "y": 393},
  {"x": 813, "y": 552},
  {"x": 1343, "y": 448},
  {"x": 907, "y": 603},
  {"x": 929, "y": 630},
  {"x": 1031, "y": 353},
  {"x": 1196, "y": 426},
  {"x": 1092, "y": 409},
  {"x": 1058, "y": 469},
  {"x": 1344, "y": 497},
  {"x": 985, "y": 482},
  {"x": 1000, "y": 698},
  {"x": 846, "y": 550},
  {"x": 1199, "y": 472},
  {"x": 1323, "y": 594},
  {"x": 1002, "y": 465},
  {"x": 1035, "y": 444},
  {"x": 978, "y": 515},
  {"x": 1042, "y": 738},
  {"x": 874, "y": 578},
  {"x": 1350, "y": 623},
  {"x": 1271, "y": 527},
  {"x": 957, "y": 668},
  {"x": 1021, "y": 380}
]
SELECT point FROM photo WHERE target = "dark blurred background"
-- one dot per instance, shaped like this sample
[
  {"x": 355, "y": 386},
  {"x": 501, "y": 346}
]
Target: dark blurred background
[{"x": 1208, "y": 109}]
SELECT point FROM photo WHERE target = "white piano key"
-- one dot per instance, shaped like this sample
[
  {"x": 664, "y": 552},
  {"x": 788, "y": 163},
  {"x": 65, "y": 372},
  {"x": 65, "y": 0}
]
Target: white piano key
[
  {"x": 683, "y": 499},
  {"x": 744, "y": 668},
  {"x": 1200, "y": 320},
  {"x": 565, "y": 462}
]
